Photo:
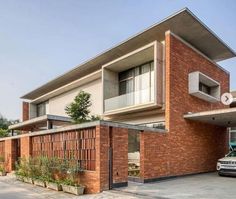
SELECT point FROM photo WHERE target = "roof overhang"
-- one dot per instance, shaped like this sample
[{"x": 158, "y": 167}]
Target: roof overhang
[
  {"x": 221, "y": 117},
  {"x": 40, "y": 122},
  {"x": 183, "y": 23}
]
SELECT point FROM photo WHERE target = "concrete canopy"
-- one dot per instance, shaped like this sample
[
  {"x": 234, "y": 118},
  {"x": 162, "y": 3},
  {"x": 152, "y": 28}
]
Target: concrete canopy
[
  {"x": 183, "y": 23},
  {"x": 221, "y": 117},
  {"x": 41, "y": 121}
]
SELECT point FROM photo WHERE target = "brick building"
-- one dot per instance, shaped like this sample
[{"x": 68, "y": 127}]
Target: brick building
[{"x": 158, "y": 94}]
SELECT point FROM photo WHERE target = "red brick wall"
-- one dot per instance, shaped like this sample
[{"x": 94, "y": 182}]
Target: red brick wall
[
  {"x": 103, "y": 161},
  {"x": 97, "y": 181},
  {"x": 188, "y": 147},
  {"x": 25, "y": 111},
  {"x": 120, "y": 155},
  {"x": 25, "y": 144},
  {"x": 193, "y": 147},
  {"x": 153, "y": 155},
  {"x": 2, "y": 149},
  {"x": 10, "y": 155}
]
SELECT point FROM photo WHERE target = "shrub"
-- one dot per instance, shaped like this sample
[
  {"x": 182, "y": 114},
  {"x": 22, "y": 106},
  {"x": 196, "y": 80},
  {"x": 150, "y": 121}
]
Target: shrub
[{"x": 44, "y": 168}]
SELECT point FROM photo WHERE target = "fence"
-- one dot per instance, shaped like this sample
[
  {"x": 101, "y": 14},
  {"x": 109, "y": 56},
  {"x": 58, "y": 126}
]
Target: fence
[
  {"x": 77, "y": 146},
  {"x": 2, "y": 151}
]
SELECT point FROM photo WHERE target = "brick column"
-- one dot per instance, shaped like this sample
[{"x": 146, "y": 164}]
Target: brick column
[
  {"x": 120, "y": 156},
  {"x": 25, "y": 144},
  {"x": 10, "y": 155},
  {"x": 102, "y": 156},
  {"x": 25, "y": 111}
]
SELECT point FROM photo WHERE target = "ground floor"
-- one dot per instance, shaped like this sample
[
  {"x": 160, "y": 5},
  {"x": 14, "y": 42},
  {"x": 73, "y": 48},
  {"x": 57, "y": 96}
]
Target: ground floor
[
  {"x": 207, "y": 186},
  {"x": 111, "y": 154}
]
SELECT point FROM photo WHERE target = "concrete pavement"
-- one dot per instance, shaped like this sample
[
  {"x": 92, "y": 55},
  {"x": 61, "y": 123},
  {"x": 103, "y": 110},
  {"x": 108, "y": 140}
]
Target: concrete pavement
[
  {"x": 202, "y": 186},
  {"x": 12, "y": 189}
]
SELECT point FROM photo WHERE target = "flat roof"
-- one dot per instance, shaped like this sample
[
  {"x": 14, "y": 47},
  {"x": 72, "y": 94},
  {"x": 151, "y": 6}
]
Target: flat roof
[
  {"x": 183, "y": 23},
  {"x": 221, "y": 117},
  {"x": 39, "y": 120},
  {"x": 88, "y": 125}
]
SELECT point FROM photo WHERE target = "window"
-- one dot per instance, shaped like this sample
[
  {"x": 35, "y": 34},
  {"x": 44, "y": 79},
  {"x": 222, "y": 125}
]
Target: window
[
  {"x": 139, "y": 81},
  {"x": 126, "y": 80},
  {"x": 204, "y": 88},
  {"x": 41, "y": 109}
]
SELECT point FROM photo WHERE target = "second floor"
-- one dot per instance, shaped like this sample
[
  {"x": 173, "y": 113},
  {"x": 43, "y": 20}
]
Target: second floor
[{"x": 129, "y": 82}]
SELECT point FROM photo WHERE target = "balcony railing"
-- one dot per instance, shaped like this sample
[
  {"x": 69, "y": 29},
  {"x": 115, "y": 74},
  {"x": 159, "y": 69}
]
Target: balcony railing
[{"x": 130, "y": 99}]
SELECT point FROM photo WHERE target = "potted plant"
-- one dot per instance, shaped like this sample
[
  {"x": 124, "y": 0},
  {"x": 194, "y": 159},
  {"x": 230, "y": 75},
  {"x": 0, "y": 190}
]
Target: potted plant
[
  {"x": 36, "y": 165},
  {"x": 2, "y": 170},
  {"x": 39, "y": 181},
  {"x": 70, "y": 183},
  {"x": 54, "y": 185},
  {"x": 48, "y": 171},
  {"x": 23, "y": 171}
]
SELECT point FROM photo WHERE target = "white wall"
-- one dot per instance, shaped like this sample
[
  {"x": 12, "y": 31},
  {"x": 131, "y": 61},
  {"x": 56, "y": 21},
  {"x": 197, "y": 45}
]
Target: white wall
[{"x": 57, "y": 104}]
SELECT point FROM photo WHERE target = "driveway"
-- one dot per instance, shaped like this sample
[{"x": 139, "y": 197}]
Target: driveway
[{"x": 202, "y": 186}]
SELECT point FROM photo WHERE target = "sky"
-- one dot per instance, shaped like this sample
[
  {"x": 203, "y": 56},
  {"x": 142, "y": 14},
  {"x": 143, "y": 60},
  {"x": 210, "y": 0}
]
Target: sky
[{"x": 41, "y": 39}]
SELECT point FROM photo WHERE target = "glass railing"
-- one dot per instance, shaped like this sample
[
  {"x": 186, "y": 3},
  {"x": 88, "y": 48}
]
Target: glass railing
[{"x": 130, "y": 99}]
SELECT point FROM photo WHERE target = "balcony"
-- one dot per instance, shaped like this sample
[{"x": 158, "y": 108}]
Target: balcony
[
  {"x": 140, "y": 97},
  {"x": 134, "y": 82}
]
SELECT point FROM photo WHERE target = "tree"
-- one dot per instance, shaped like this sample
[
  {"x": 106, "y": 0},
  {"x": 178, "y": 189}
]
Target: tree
[
  {"x": 79, "y": 111},
  {"x": 4, "y": 124},
  {"x": 4, "y": 133}
]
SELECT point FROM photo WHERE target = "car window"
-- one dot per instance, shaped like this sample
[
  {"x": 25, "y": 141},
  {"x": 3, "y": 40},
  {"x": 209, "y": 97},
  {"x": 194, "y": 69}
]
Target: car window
[{"x": 232, "y": 154}]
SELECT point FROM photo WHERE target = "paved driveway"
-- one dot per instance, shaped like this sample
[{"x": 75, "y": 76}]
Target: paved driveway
[
  {"x": 12, "y": 189},
  {"x": 202, "y": 186}
]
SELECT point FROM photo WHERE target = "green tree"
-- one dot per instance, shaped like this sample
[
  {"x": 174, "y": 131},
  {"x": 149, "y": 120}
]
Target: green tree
[
  {"x": 79, "y": 111},
  {"x": 4, "y": 124},
  {"x": 3, "y": 133}
]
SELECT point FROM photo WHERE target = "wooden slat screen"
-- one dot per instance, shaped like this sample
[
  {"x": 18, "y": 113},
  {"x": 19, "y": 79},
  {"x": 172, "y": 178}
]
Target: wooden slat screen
[{"x": 74, "y": 145}]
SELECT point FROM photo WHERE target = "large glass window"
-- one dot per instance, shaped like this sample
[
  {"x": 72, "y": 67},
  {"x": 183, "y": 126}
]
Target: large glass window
[
  {"x": 138, "y": 82},
  {"x": 41, "y": 109}
]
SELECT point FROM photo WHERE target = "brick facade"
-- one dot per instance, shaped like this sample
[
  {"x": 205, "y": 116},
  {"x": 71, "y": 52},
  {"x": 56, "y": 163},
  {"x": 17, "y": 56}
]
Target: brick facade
[
  {"x": 186, "y": 148},
  {"x": 95, "y": 181},
  {"x": 25, "y": 111},
  {"x": 10, "y": 154},
  {"x": 120, "y": 155},
  {"x": 25, "y": 144}
]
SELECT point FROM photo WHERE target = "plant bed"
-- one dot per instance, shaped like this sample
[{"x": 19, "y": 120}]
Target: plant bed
[
  {"x": 76, "y": 190},
  {"x": 54, "y": 186},
  {"x": 28, "y": 180},
  {"x": 3, "y": 173},
  {"x": 20, "y": 178},
  {"x": 39, "y": 183}
]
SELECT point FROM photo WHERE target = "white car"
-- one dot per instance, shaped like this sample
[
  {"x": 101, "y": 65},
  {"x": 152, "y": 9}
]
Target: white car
[{"x": 227, "y": 165}]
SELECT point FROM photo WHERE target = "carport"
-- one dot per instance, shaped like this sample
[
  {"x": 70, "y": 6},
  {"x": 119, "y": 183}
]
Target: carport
[{"x": 220, "y": 117}]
